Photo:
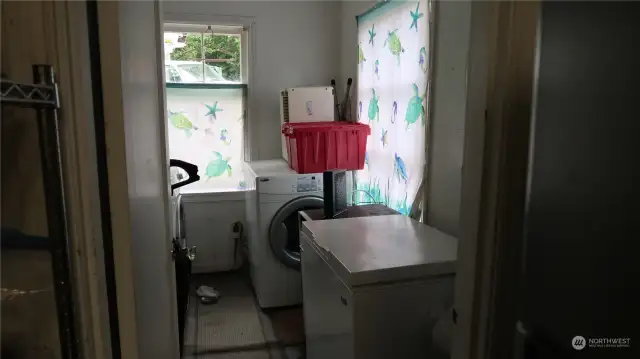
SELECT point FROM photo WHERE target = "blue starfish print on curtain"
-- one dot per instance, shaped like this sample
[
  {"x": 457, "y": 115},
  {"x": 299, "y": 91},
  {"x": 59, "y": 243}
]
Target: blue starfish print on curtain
[
  {"x": 415, "y": 16},
  {"x": 372, "y": 34},
  {"x": 212, "y": 111}
]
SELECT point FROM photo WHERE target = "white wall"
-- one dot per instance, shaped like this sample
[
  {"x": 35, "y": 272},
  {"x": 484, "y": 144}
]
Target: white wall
[
  {"x": 453, "y": 23},
  {"x": 295, "y": 45},
  {"x": 208, "y": 221},
  {"x": 449, "y": 102}
]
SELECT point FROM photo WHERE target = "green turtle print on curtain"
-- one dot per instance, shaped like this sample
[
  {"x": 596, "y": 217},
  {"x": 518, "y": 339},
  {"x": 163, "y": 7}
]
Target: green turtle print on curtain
[
  {"x": 415, "y": 108},
  {"x": 395, "y": 46},
  {"x": 180, "y": 121},
  {"x": 218, "y": 166},
  {"x": 392, "y": 91},
  {"x": 374, "y": 110}
]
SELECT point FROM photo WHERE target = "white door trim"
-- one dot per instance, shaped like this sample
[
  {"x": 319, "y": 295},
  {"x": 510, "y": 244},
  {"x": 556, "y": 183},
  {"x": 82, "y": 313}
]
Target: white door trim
[
  {"x": 510, "y": 115},
  {"x": 109, "y": 37},
  {"x": 69, "y": 46},
  {"x": 479, "y": 62},
  {"x": 494, "y": 177},
  {"x": 135, "y": 131}
]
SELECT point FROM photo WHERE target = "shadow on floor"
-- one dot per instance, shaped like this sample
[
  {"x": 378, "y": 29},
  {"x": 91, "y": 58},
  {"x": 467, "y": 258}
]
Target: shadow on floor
[{"x": 235, "y": 327}]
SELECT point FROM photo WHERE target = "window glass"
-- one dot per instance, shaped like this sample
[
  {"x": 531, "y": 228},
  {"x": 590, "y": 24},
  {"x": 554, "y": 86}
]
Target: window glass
[{"x": 204, "y": 56}]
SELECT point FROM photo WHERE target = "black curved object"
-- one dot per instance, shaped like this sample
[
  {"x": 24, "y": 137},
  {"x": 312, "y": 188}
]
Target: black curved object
[
  {"x": 284, "y": 229},
  {"x": 190, "y": 168},
  {"x": 181, "y": 255}
]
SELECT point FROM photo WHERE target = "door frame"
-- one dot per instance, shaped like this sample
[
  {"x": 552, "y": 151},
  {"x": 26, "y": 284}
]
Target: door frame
[
  {"x": 491, "y": 189},
  {"x": 69, "y": 47},
  {"x": 138, "y": 171},
  {"x": 494, "y": 183}
]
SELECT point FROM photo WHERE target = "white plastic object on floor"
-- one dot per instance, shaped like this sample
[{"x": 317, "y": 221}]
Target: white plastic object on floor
[{"x": 207, "y": 292}]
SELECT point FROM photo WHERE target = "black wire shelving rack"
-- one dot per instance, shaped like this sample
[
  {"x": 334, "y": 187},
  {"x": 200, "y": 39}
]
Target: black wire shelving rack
[{"x": 43, "y": 96}]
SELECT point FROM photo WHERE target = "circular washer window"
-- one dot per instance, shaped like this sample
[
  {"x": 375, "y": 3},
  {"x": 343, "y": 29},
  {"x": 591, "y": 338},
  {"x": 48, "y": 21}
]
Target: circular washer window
[{"x": 284, "y": 231}]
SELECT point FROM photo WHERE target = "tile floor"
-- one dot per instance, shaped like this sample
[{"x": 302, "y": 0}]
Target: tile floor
[{"x": 236, "y": 328}]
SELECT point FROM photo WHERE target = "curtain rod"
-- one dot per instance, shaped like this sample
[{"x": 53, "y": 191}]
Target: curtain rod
[
  {"x": 376, "y": 6},
  {"x": 382, "y": 4}
]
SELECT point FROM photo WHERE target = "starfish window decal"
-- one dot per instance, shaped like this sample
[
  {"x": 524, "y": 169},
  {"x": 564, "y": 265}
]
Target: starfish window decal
[
  {"x": 415, "y": 16},
  {"x": 372, "y": 34},
  {"x": 213, "y": 110}
]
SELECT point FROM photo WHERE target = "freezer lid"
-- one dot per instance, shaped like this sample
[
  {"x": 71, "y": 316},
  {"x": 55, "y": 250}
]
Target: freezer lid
[{"x": 369, "y": 250}]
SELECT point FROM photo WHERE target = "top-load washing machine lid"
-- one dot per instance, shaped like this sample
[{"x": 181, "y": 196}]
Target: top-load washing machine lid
[
  {"x": 284, "y": 230},
  {"x": 270, "y": 168}
]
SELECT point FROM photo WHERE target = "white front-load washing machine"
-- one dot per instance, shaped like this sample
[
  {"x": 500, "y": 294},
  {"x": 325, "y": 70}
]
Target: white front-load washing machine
[{"x": 275, "y": 195}]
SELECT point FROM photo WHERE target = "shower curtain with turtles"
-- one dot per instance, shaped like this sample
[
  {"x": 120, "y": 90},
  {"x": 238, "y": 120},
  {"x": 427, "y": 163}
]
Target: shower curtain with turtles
[{"x": 392, "y": 82}]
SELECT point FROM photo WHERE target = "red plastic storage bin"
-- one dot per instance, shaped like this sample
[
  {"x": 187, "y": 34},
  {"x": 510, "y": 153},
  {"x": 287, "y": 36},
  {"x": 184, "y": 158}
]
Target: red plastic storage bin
[{"x": 315, "y": 147}]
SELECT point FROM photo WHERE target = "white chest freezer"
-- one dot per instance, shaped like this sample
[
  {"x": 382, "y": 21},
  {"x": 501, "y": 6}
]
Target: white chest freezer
[{"x": 374, "y": 287}]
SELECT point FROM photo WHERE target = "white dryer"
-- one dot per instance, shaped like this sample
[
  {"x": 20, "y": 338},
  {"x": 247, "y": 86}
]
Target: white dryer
[{"x": 275, "y": 195}]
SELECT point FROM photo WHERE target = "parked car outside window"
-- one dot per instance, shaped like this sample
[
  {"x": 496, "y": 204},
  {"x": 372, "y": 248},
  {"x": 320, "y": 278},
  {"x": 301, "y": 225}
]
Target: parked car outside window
[{"x": 192, "y": 72}]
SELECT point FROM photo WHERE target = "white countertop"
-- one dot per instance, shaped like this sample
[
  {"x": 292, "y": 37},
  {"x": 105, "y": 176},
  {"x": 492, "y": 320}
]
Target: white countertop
[{"x": 369, "y": 250}]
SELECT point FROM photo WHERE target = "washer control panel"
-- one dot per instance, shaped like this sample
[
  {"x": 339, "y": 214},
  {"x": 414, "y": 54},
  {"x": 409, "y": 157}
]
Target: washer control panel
[
  {"x": 290, "y": 184},
  {"x": 309, "y": 183}
]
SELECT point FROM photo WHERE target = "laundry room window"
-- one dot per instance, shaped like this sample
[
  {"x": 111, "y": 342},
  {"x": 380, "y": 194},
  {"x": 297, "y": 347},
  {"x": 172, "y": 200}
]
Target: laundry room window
[{"x": 206, "y": 89}]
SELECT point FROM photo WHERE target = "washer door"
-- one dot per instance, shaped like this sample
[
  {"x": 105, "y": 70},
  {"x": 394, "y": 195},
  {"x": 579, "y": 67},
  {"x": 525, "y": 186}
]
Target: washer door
[{"x": 284, "y": 230}]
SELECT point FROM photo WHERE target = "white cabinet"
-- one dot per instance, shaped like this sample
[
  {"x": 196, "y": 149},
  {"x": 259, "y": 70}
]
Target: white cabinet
[{"x": 374, "y": 287}]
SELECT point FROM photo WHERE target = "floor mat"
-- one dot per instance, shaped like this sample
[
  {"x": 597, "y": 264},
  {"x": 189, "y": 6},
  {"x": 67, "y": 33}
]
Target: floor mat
[
  {"x": 229, "y": 325},
  {"x": 258, "y": 354}
]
